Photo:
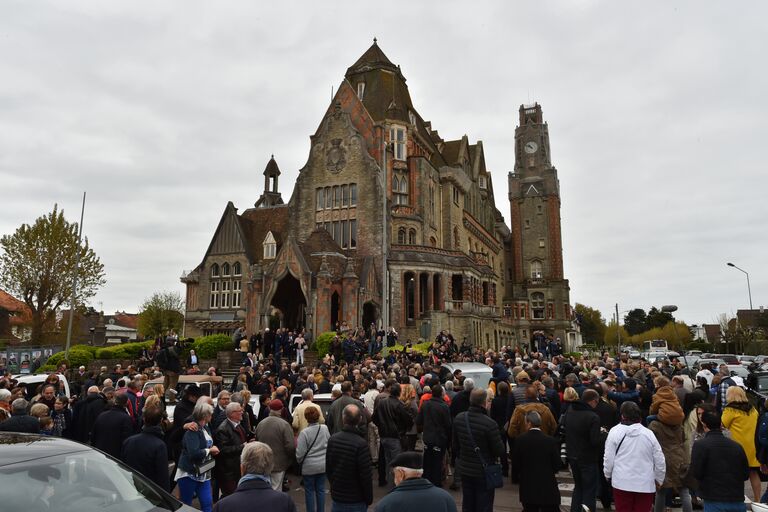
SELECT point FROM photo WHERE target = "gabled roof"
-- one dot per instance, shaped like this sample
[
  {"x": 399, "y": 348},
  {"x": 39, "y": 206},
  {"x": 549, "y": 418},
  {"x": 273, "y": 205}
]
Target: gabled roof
[
  {"x": 257, "y": 222},
  {"x": 10, "y": 303}
]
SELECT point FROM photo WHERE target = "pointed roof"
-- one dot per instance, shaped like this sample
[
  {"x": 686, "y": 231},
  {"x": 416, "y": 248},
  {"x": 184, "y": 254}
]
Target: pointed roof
[
  {"x": 272, "y": 169},
  {"x": 373, "y": 58}
]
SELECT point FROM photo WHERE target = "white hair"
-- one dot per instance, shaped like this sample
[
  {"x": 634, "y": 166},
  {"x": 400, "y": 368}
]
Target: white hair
[
  {"x": 257, "y": 459},
  {"x": 202, "y": 410},
  {"x": 469, "y": 384},
  {"x": 5, "y": 395}
]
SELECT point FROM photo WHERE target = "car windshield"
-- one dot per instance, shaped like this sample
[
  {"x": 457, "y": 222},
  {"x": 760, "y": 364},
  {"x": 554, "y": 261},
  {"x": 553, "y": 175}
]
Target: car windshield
[{"x": 85, "y": 480}]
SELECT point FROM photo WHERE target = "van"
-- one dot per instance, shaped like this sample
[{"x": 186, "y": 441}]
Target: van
[{"x": 478, "y": 372}]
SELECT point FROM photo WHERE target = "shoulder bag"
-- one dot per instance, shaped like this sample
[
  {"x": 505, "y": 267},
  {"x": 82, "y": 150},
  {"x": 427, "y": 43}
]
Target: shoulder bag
[
  {"x": 493, "y": 476},
  {"x": 301, "y": 462}
]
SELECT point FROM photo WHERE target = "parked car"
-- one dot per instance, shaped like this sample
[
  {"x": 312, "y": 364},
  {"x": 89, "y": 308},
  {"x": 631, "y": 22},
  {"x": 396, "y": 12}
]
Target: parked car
[
  {"x": 634, "y": 354},
  {"x": 209, "y": 385},
  {"x": 478, "y": 372},
  {"x": 324, "y": 400},
  {"x": 728, "y": 358},
  {"x": 715, "y": 363},
  {"x": 746, "y": 361},
  {"x": 30, "y": 383},
  {"x": 39, "y": 470}
]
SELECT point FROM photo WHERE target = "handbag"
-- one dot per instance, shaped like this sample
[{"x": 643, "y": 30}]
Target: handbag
[
  {"x": 208, "y": 464},
  {"x": 493, "y": 475}
]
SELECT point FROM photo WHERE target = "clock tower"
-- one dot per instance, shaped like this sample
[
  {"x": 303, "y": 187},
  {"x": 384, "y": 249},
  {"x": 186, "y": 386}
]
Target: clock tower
[{"x": 537, "y": 293}]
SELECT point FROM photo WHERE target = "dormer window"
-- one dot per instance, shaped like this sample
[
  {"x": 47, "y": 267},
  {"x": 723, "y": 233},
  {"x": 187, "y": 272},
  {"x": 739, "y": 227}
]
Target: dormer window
[
  {"x": 270, "y": 247},
  {"x": 360, "y": 90},
  {"x": 483, "y": 182},
  {"x": 398, "y": 138}
]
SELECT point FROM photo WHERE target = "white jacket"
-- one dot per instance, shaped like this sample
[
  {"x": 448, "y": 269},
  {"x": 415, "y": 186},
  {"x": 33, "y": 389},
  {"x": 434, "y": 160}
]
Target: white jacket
[{"x": 633, "y": 459}]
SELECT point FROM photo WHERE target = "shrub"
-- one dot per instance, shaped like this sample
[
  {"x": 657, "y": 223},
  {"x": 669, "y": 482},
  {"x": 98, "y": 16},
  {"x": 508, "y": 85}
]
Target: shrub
[
  {"x": 421, "y": 348},
  {"x": 46, "y": 368},
  {"x": 322, "y": 344},
  {"x": 208, "y": 347},
  {"x": 123, "y": 351},
  {"x": 79, "y": 355}
]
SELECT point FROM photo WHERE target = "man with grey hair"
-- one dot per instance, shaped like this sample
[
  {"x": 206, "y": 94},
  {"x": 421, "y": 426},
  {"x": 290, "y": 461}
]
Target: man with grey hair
[
  {"x": 536, "y": 459},
  {"x": 476, "y": 443},
  {"x": 413, "y": 493},
  {"x": 230, "y": 437},
  {"x": 254, "y": 489},
  {"x": 299, "y": 421},
  {"x": 219, "y": 412},
  {"x": 20, "y": 421}
]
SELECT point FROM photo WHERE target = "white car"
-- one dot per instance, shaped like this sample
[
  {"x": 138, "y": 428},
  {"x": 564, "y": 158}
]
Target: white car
[{"x": 31, "y": 382}]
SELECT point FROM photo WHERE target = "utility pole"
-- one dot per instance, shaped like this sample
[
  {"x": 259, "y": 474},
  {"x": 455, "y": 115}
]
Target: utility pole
[
  {"x": 384, "y": 275},
  {"x": 618, "y": 331},
  {"x": 73, "y": 300}
]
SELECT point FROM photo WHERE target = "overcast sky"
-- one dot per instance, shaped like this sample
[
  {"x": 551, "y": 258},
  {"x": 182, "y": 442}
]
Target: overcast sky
[{"x": 164, "y": 111}]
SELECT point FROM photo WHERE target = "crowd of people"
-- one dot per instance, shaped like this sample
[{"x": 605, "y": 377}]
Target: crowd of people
[{"x": 633, "y": 434}]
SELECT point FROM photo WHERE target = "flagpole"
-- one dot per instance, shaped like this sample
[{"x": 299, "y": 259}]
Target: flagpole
[{"x": 74, "y": 280}]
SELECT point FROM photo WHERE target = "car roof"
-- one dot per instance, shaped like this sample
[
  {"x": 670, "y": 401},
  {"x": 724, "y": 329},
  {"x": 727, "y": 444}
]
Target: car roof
[
  {"x": 38, "y": 377},
  {"x": 468, "y": 367},
  {"x": 190, "y": 379},
  {"x": 17, "y": 447}
]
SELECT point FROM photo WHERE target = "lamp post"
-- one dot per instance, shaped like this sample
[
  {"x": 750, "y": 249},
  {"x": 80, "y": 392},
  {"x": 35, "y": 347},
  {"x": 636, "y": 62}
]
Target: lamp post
[{"x": 749, "y": 290}]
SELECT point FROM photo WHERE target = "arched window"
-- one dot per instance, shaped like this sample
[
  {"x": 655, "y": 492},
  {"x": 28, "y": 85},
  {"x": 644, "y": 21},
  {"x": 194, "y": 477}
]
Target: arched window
[
  {"x": 401, "y": 236},
  {"x": 237, "y": 269},
  {"x": 270, "y": 247},
  {"x": 537, "y": 305},
  {"x": 225, "y": 270},
  {"x": 400, "y": 188},
  {"x": 215, "y": 270},
  {"x": 537, "y": 271},
  {"x": 456, "y": 241},
  {"x": 412, "y": 236},
  {"x": 433, "y": 241},
  {"x": 395, "y": 184}
]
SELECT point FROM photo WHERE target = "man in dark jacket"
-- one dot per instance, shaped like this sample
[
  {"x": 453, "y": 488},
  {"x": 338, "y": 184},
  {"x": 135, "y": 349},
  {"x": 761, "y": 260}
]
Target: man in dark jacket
[
  {"x": 334, "y": 418},
  {"x": 254, "y": 491},
  {"x": 20, "y": 421},
  {"x": 146, "y": 452},
  {"x": 583, "y": 441},
  {"x": 393, "y": 419},
  {"x": 348, "y": 463},
  {"x": 167, "y": 360},
  {"x": 181, "y": 415},
  {"x": 434, "y": 420},
  {"x": 230, "y": 438},
  {"x": 112, "y": 428},
  {"x": 720, "y": 466},
  {"x": 476, "y": 440},
  {"x": 412, "y": 492},
  {"x": 85, "y": 412},
  {"x": 536, "y": 459},
  {"x": 459, "y": 404}
]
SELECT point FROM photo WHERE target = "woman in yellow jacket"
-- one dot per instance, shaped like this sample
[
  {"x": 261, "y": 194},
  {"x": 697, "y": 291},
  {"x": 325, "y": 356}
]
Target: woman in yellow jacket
[{"x": 740, "y": 418}]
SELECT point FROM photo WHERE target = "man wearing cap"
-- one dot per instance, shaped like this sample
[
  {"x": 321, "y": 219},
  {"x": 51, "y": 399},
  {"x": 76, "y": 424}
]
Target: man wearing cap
[
  {"x": 412, "y": 492},
  {"x": 277, "y": 433}
]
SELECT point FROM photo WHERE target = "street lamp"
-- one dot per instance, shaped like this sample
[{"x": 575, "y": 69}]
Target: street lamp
[
  {"x": 749, "y": 290},
  {"x": 671, "y": 308}
]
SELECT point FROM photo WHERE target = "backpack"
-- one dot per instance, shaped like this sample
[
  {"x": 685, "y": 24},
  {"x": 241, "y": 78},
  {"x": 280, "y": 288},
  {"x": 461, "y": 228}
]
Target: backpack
[{"x": 162, "y": 358}]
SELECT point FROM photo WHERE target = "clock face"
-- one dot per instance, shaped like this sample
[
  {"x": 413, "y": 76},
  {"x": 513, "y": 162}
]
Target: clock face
[{"x": 531, "y": 147}]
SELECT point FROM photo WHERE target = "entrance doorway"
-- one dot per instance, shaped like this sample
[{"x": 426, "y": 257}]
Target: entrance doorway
[
  {"x": 290, "y": 300},
  {"x": 370, "y": 315},
  {"x": 335, "y": 307}
]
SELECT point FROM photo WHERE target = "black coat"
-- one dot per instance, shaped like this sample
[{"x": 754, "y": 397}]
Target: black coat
[
  {"x": 486, "y": 434},
  {"x": 147, "y": 453},
  {"x": 434, "y": 419},
  {"x": 255, "y": 494},
  {"x": 535, "y": 462},
  {"x": 84, "y": 415},
  {"x": 392, "y": 418},
  {"x": 230, "y": 444},
  {"x": 709, "y": 457},
  {"x": 583, "y": 439},
  {"x": 460, "y": 403},
  {"x": 348, "y": 466},
  {"x": 21, "y": 423},
  {"x": 111, "y": 429}
]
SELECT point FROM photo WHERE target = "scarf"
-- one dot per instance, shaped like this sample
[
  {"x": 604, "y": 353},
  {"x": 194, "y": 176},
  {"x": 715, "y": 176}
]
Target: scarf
[{"x": 250, "y": 477}]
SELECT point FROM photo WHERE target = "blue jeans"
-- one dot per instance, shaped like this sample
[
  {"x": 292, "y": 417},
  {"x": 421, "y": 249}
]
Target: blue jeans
[
  {"x": 476, "y": 495},
  {"x": 189, "y": 487},
  {"x": 585, "y": 484},
  {"x": 724, "y": 506},
  {"x": 314, "y": 492},
  {"x": 348, "y": 507}
]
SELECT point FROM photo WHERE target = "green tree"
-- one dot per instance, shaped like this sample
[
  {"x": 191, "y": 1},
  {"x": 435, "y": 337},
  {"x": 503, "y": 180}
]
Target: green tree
[
  {"x": 636, "y": 321},
  {"x": 658, "y": 318},
  {"x": 592, "y": 324},
  {"x": 38, "y": 264},
  {"x": 162, "y": 312}
]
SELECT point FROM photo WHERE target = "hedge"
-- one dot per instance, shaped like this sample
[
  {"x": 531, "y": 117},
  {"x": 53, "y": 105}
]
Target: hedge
[
  {"x": 79, "y": 355},
  {"x": 123, "y": 350},
  {"x": 322, "y": 344},
  {"x": 208, "y": 347}
]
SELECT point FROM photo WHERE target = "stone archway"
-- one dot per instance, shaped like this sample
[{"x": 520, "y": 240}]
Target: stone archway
[
  {"x": 335, "y": 309},
  {"x": 290, "y": 300},
  {"x": 370, "y": 315}
]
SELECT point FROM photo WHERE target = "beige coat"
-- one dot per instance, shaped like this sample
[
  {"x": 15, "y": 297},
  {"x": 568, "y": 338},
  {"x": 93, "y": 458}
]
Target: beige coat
[
  {"x": 299, "y": 421},
  {"x": 277, "y": 433}
]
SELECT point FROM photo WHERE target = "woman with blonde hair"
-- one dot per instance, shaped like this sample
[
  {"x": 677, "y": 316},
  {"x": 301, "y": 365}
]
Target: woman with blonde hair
[
  {"x": 408, "y": 397},
  {"x": 740, "y": 418}
]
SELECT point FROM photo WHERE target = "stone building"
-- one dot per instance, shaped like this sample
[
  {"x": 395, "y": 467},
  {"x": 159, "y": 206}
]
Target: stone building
[{"x": 385, "y": 203}]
